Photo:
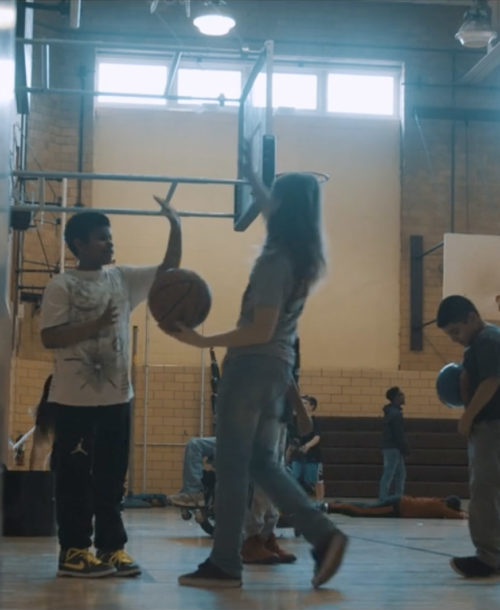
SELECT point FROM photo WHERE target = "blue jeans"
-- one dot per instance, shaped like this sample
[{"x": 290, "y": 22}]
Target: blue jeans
[
  {"x": 250, "y": 403},
  {"x": 262, "y": 516},
  {"x": 394, "y": 473},
  {"x": 192, "y": 473},
  {"x": 305, "y": 471},
  {"x": 484, "y": 483}
]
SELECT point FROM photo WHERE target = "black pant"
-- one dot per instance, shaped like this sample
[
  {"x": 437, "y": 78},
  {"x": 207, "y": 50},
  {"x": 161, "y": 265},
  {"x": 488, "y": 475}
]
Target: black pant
[{"x": 90, "y": 461}]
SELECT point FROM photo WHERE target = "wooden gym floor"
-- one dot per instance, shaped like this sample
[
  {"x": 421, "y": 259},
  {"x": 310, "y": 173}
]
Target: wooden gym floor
[{"x": 390, "y": 564}]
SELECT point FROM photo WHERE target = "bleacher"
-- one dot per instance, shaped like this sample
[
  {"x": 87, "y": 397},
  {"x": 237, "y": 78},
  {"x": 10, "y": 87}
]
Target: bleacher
[{"x": 352, "y": 458}]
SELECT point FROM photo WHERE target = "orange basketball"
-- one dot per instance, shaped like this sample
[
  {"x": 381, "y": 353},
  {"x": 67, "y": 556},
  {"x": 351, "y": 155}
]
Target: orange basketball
[{"x": 179, "y": 295}]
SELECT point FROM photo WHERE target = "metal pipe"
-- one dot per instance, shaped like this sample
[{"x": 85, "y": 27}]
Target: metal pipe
[
  {"x": 172, "y": 73},
  {"x": 62, "y": 247},
  {"x": 137, "y": 45},
  {"x": 429, "y": 323},
  {"x": 45, "y": 67},
  {"x": 202, "y": 390},
  {"x": 75, "y": 12},
  {"x": 82, "y": 73},
  {"x": 41, "y": 191},
  {"x": 131, "y": 465},
  {"x": 24, "y": 270},
  {"x": 154, "y": 96},
  {"x": 146, "y": 399},
  {"x": 23, "y": 438},
  {"x": 269, "y": 46},
  {"x": 432, "y": 249},
  {"x": 453, "y": 137},
  {"x": 28, "y": 174},
  {"x": 240, "y": 54},
  {"x": 118, "y": 211}
]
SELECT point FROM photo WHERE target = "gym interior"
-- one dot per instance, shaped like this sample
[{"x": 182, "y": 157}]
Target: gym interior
[{"x": 398, "y": 117}]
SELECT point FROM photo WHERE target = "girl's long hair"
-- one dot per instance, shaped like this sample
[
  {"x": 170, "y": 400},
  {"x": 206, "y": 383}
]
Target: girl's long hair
[{"x": 295, "y": 225}]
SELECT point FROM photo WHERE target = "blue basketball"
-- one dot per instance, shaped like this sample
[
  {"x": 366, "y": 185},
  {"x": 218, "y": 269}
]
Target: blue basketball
[{"x": 448, "y": 385}]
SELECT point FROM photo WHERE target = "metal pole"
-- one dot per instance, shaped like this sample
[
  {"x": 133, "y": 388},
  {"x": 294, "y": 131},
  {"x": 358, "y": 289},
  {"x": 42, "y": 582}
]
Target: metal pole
[
  {"x": 45, "y": 66},
  {"x": 146, "y": 400},
  {"x": 269, "y": 46},
  {"x": 432, "y": 249},
  {"x": 202, "y": 389},
  {"x": 62, "y": 226},
  {"x": 136, "y": 45},
  {"x": 146, "y": 96},
  {"x": 453, "y": 136},
  {"x": 56, "y": 175},
  {"x": 119, "y": 211},
  {"x": 131, "y": 456},
  {"x": 82, "y": 73},
  {"x": 172, "y": 73},
  {"x": 416, "y": 292}
]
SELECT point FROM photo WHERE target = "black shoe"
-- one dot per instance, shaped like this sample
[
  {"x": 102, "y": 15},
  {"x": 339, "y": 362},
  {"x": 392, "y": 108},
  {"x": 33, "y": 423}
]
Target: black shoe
[
  {"x": 328, "y": 557},
  {"x": 121, "y": 561},
  {"x": 210, "y": 576},
  {"x": 472, "y": 567}
]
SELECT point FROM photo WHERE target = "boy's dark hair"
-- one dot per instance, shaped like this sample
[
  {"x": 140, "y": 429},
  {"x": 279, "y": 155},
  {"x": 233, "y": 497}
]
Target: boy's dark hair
[
  {"x": 311, "y": 400},
  {"x": 453, "y": 502},
  {"x": 81, "y": 225},
  {"x": 453, "y": 309},
  {"x": 392, "y": 393}
]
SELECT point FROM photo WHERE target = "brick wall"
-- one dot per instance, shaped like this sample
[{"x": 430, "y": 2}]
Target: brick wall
[{"x": 172, "y": 410}]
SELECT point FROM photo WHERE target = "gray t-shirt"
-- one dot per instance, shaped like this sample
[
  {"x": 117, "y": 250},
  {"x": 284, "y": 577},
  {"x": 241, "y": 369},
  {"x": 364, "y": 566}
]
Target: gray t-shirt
[
  {"x": 482, "y": 360},
  {"x": 271, "y": 284}
]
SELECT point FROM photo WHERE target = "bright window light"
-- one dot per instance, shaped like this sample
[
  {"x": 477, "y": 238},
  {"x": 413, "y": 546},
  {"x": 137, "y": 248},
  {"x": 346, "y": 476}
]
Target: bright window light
[
  {"x": 361, "y": 94},
  {"x": 289, "y": 91},
  {"x": 142, "y": 79},
  {"x": 205, "y": 86},
  {"x": 7, "y": 80}
]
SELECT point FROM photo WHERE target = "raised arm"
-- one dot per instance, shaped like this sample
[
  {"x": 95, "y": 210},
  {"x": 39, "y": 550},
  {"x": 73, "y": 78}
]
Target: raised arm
[{"x": 172, "y": 258}]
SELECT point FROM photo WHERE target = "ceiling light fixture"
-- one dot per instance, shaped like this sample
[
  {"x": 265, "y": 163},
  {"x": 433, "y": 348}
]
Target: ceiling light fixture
[
  {"x": 476, "y": 30},
  {"x": 213, "y": 20}
]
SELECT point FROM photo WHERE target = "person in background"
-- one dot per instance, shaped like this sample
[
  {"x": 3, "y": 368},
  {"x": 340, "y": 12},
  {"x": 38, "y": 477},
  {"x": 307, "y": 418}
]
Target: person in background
[
  {"x": 459, "y": 318},
  {"x": 394, "y": 446},
  {"x": 305, "y": 459},
  {"x": 403, "y": 506}
]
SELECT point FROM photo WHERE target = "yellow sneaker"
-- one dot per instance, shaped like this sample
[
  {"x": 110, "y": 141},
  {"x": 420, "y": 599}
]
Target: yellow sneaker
[
  {"x": 80, "y": 563},
  {"x": 121, "y": 561}
]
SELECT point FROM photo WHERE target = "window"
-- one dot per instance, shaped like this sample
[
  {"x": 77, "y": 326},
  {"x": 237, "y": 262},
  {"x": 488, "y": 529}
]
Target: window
[
  {"x": 361, "y": 94},
  {"x": 315, "y": 86},
  {"x": 207, "y": 85},
  {"x": 299, "y": 91},
  {"x": 130, "y": 78},
  {"x": 7, "y": 78}
]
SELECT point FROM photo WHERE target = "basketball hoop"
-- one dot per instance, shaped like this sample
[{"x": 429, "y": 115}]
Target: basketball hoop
[{"x": 321, "y": 177}]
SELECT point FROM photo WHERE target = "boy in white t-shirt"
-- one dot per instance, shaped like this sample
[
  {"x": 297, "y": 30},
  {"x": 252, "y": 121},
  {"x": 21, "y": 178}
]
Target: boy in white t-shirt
[{"x": 85, "y": 320}]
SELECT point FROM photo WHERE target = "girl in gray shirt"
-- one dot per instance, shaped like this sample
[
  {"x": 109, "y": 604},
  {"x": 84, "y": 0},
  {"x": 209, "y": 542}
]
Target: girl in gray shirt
[{"x": 256, "y": 377}]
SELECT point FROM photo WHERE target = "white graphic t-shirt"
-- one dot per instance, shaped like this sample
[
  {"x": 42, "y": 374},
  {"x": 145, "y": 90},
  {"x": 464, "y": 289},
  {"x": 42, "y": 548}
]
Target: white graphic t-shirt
[{"x": 95, "y": 371}]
